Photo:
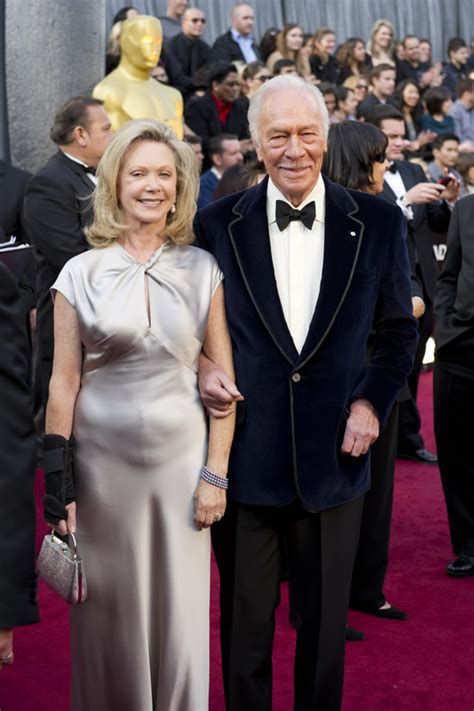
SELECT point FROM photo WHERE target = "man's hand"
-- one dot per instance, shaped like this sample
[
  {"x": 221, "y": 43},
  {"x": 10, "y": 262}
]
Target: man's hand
[
  {"x": 418, "y": 306},
  {"x": 6, "y": 647},
  {"x": 423, "y": 193},
  {"x": 452, "y": 190},
  {"x": 362, "y": 429},
  {"x": 218, "y": 391}
]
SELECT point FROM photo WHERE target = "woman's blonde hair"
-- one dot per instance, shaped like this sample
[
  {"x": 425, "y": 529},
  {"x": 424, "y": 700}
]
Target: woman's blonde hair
[
  {"x": 373, "y": 31},
  {"x": 109, "y": 223}
]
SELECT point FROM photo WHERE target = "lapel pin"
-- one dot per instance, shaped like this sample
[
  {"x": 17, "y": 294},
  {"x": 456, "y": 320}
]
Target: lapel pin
[{"x": 353, "y": 234}]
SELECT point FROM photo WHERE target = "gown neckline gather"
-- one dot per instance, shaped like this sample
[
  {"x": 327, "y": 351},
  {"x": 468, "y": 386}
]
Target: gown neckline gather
[{"x": 152, "y": 259}]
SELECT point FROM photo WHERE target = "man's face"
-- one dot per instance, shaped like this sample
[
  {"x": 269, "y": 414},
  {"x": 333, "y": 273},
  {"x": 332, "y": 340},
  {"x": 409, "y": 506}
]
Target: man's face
[
  {"x": 193, "y": 23},
  {"x": 384, "y": 84},
  {"x": 412, "y": 49},
  {"x": 197, "y": 148},
  {"x": 447, "y": 156},
  {"x": 96, "y": 134},
  {"x": 177, "y": 7},
  {"x": 230, "y": 155},
  {"x": 394, "y": 129},
  {"x": 228, "y": 89},
  {"x": 291, "y": 142},
  {"x": 291, "y": 71},
  {"x": 460, "y": 57},
  {"x": 243, "y": 19}
]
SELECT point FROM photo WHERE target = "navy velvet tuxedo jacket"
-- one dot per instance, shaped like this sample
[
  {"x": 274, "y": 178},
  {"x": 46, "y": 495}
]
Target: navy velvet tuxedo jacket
[{"x": 290, "y": 426}]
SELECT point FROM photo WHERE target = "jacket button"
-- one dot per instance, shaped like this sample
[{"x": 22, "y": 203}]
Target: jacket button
[{"x": 296, "y": 377}]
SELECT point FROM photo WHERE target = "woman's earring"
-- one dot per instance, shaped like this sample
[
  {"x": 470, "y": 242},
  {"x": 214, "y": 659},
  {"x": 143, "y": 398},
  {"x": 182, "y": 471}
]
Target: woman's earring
[{"x": 173, "y": 208}]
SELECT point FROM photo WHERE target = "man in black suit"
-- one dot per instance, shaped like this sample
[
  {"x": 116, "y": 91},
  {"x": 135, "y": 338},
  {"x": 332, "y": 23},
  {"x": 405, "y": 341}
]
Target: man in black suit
[
  {"x": 186, "y": 52},
  {"x": 425, "y": 208},
  {"x": 57, "y": 206},
  {"x": 13, "y": 182},
  {"x": 454, "y": 384},
  {"x": 18, "y": 603},
  {"x": 382, "y": 81},
  {"x": 237, "y": 44},
  {"x": 307, "y": 278},
  {"x": 218, "y": 111}
]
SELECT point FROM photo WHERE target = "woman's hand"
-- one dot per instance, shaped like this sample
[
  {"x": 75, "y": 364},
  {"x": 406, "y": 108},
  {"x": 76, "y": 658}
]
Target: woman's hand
[
  {"x": 209, "y": 504},
  {"x": 64, "y": 527},
  {"x": 6, "y": 648}
]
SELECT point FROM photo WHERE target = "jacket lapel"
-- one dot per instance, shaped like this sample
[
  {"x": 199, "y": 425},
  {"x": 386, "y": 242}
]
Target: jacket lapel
[
  {"x": 251, "y": 243},
  {"x": 342, "y": 242}
]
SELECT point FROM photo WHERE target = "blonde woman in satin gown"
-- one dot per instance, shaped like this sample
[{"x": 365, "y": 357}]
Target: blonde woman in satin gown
[{"x": 131, "y": 318}]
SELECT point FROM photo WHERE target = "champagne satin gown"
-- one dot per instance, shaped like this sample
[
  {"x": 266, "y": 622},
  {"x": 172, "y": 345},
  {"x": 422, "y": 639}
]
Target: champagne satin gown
[{"x": 141, "y": 640}]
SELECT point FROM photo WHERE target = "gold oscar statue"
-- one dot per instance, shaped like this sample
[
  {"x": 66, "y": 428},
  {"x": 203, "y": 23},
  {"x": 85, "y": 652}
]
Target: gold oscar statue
[{"x": 129, "y": 92}]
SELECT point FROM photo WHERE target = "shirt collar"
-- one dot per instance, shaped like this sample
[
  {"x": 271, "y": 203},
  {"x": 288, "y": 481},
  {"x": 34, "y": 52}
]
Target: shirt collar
[
  {"x": 318, "y": 194},
  {"x": 75, "y": 160},
  {"x": 241, "y": 38}
]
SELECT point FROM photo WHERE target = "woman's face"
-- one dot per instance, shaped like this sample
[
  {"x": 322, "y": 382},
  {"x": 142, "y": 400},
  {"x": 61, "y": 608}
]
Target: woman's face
[
  {"x": 411, "y": 96},
  {"x": 349, "y": 106},
  {"x": 359, "y": 52},
  {"x": 294, "y": 39},
  {"x": 330, "y": 101},
  {"x": 383, "y": 36},
  {"x": 446, "y": 106},
  {"x": 328, "y": 43},
  {"x": 378, "y": 171},
  {"x": 147, "y": 184},
  {"x": 361, "y": 90}
]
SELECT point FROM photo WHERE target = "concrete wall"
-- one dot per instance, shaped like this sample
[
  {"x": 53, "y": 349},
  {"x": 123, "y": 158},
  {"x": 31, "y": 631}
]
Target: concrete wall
[{"x": 54, "y": 49}]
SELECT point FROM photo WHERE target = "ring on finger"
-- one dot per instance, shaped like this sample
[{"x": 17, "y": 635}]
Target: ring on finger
[{"x": 217, "y": 518}]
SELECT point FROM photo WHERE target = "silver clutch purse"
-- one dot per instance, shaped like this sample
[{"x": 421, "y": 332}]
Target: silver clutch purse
[{"x": 62, "y": 569}]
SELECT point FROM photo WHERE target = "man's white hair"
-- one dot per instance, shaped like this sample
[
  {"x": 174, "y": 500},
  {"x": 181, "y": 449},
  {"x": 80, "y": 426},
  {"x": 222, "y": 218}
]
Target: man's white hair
[{"x": 280, "y": 85}]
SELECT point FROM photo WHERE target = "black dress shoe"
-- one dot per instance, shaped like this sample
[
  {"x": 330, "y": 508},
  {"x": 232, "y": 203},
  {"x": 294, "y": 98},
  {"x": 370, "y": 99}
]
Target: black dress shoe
[
  {"x": 353, "y": 635},
  {"x": 419, "y": 455},
  {"x": 460, "y": 567},
  {"x": 388, "y": 613}
]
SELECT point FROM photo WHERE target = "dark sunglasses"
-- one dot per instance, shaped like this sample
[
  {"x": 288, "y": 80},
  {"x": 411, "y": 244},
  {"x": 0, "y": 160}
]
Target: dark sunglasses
[
  {"x": 231, "y": 84},
  {"x": 362, "y": 86},
  {"x": 263, "y": 78},
  {"x": 198, "y": 19}
]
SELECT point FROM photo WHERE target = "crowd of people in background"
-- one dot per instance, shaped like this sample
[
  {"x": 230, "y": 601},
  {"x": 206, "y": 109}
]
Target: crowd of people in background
[{"x": 353, "y": 74}]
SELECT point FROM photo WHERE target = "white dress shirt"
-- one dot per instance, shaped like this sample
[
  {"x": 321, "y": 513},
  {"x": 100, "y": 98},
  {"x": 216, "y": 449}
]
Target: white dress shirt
[
  {"x": 395, "y": 182},
  {"x": 245, "y": 43},
  {"x": 297, "y": 255}
]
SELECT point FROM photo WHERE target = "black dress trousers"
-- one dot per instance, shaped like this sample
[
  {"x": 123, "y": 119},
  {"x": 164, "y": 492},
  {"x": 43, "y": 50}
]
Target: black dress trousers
[{"x": 321, "y": 551}]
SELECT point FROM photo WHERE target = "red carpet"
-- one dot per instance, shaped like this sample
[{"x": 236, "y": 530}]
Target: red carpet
[{"x": 424, "y": 664}]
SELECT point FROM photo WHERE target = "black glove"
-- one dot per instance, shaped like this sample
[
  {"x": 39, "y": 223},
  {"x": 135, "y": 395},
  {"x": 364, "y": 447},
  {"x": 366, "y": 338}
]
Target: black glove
[{"x": 58, "y": 476}]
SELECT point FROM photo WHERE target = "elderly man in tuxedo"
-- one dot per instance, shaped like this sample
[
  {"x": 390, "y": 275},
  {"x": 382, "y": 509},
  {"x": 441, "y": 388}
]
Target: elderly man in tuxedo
[
  {"x": 311, "y": 269},
  {"x": 57, "y": 206}
]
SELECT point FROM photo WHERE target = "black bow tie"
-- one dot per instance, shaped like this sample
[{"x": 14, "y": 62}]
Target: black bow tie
[
  {"x": 88, "y": 169},
  {"x": 286, "y": 214},
  {"x": 393, "y": 168}
]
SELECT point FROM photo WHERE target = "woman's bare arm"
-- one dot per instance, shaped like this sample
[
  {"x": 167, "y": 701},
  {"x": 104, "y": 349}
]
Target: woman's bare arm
[
  {"x": 209, "y": 499},
  {"x": 64, "y": 384}
]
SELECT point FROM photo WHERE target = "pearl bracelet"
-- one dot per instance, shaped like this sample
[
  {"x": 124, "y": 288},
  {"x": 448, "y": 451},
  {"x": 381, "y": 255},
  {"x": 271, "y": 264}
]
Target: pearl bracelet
[{"x": 221, "y": 481}]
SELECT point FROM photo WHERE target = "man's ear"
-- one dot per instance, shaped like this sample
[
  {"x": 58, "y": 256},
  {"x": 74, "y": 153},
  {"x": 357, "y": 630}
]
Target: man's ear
[
  {"x": 216, "y": 159},
  {"x": 79, "y": 135},
  {"x": 258, "y": 151}
]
